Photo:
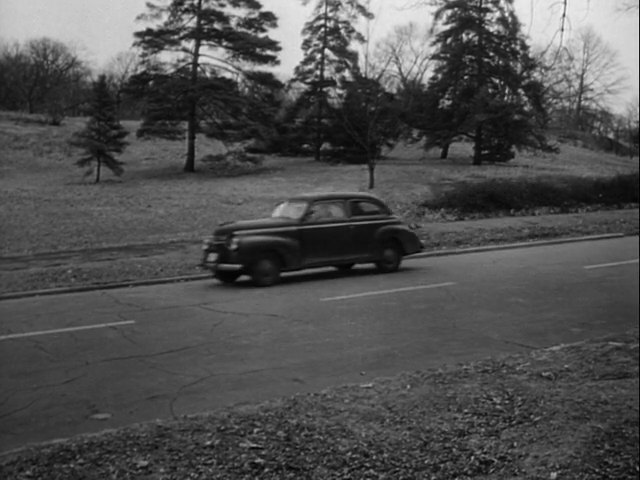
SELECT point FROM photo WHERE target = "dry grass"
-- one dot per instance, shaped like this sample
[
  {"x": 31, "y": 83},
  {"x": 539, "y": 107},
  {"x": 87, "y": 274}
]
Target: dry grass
[{"x": 47, "y": 205}]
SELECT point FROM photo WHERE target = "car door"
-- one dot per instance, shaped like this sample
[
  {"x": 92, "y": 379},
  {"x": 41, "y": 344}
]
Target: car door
[
  {"x": 325, "y": 236},
  {"x": 367, "y": 217}
]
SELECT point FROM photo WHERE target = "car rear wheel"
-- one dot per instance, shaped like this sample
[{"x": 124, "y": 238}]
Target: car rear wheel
[
  {"x": 390, "y": 258},
  {"x": 265, "y": 271},
  {"x": 227, "y": 277}
]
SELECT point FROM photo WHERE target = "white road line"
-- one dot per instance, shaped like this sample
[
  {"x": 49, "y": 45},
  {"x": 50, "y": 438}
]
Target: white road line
[
  {"x": 384, "y": 292},
  {"x": 614, "y": 264},
  {"x": 64, "y": 330}
]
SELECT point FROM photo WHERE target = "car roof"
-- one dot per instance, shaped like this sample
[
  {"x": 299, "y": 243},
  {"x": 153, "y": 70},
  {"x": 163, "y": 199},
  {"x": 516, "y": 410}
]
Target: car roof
[{"x": 336, "y": 196}]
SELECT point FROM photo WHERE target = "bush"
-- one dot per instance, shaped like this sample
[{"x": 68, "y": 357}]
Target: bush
[
  {"x": 525, "y": 194},
  {"x": 168, "y": 130},
  {"x": 233, "y": 163}
]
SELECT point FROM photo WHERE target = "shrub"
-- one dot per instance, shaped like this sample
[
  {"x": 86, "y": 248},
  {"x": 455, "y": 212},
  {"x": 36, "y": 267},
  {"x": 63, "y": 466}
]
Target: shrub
[
  {"x": 170, "y": 130},
  {"x": 233, "y": 163},
  {"x": 523, "y": 194}
]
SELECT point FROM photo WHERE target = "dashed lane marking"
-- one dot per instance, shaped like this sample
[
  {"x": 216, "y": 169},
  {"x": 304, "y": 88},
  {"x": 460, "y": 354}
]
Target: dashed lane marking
[
  {"x": 614, "y": 264},
  {"x": 385, "y": 292},
  {"x": 64, "y": 330}
]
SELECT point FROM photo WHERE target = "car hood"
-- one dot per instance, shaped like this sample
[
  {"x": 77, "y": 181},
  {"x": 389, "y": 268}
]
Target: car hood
[{"x": 261, "y": 223}]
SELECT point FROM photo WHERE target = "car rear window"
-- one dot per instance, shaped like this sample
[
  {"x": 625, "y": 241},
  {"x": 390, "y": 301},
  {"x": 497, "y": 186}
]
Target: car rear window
[{"x": 364, "y": 208}]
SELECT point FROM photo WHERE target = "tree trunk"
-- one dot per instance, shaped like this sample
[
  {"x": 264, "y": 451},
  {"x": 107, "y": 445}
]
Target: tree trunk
[
  {"x": 318, "y": 141},
  {"x": 190, "y": 163},
  {"x": 371, "y": 167},
  {"x": 578, "y": 113},
  {"x": 320, "y": 87},
  {"x": 477, "y": 146},
  {"x": 98, "y": 170},
  {"x": 192, "y": 120},
  {"x": 444, "y": 152}
]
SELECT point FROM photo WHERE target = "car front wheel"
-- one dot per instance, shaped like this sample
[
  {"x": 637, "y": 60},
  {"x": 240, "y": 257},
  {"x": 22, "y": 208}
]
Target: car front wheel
[
  {"x": 265, "y": 271},
  {"x": 390, "y": 258}
]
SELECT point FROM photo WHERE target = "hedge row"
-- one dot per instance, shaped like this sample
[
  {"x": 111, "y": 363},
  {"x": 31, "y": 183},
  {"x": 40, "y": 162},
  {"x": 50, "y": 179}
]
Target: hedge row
[{"x": 523, "y": 194}]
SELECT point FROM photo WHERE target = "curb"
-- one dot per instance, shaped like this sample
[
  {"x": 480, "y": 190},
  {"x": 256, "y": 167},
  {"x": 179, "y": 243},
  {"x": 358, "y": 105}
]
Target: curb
[
  {"x": 512, "y": 246},
  {"x": 205, "y": 276},
  {"x": 103, "y": 286}
]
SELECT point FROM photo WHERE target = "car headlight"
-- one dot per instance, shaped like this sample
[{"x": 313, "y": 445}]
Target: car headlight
[
  {"x": 207, "y": 242},
  {"x": 233, "y": 243}
]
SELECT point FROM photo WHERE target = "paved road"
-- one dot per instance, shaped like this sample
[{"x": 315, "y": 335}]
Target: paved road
[{"x": 84, "y": 362}]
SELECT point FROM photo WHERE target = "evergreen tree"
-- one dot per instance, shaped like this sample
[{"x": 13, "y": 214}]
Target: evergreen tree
[
  {"x": 329, "y": 59},
  {"x": 484, "y": 84},
  {"x": 103, "y": 135},
  {"x": 163, "y": 108},
  {"x": 209, "y": 42}
]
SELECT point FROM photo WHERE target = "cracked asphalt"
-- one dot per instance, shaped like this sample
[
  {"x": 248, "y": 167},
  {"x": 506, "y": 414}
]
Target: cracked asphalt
[{"x": 87, "y": 361}]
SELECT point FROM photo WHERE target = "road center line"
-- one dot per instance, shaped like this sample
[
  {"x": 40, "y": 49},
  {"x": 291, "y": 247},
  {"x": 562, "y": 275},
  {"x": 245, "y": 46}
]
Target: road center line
[
  {"x": 64, "y": 330},
  {"x": 384, "y": 292},
  {"x": 614, "y": 264}
]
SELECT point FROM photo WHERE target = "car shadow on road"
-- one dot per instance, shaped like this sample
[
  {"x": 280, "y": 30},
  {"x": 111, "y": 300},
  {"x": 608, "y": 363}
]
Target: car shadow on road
[{"x": 321, "y": 274}]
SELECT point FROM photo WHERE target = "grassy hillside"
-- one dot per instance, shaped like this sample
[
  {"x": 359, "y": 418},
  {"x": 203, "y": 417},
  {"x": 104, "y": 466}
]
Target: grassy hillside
[{"x": 46, "y": 203}]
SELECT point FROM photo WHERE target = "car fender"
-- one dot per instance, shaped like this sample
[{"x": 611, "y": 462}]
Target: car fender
[
  {"x": 252, "y": 246},
  {"x": 402, "y": 234}
]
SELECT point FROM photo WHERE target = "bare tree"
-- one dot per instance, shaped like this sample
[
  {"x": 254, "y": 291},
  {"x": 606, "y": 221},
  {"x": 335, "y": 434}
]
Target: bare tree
[
  {"x": 118, "y": 70},
  {"x": 53, "y": 66},
  {"x": 407, "y": 52},
  {"x": 632, "y": 126},
  {"x": 42, "y": 76},
  {"x": 628, "y": 6},
  {"x": 587, "y": 76},
  {"x": 14, "y": 65}
]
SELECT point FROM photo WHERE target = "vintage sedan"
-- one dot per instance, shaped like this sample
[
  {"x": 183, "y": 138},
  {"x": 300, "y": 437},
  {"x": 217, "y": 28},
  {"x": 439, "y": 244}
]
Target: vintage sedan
[{"x": 310, "y": 231}]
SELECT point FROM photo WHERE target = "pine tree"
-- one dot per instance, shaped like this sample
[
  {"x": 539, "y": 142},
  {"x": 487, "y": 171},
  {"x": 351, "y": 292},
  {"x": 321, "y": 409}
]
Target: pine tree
[
  {"x": 329, "y": 58},
  {"x": 103, "y": 135},
  {"x": 484, "y": 84},
  {"x": 209, "y": 42}
]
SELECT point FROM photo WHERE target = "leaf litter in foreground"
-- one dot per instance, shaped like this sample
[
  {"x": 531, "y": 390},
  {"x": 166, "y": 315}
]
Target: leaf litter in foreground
[{"x": 566, "y": 412}]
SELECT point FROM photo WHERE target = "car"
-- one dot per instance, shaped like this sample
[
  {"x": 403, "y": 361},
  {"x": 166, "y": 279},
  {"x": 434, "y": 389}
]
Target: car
[{"x": 310, "y": 231}]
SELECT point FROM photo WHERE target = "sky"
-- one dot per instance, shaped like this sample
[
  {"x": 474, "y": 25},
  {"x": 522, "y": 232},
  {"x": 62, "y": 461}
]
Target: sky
[{"x": 99, "y": 29}]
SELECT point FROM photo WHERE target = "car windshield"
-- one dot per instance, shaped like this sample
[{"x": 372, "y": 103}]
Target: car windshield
[{"x": 290, "y": 209}]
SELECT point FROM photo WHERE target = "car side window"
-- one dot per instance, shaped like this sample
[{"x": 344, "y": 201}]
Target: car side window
[
  {"x": 326, "y": 211},
  {"x": 363, "y": 208}
]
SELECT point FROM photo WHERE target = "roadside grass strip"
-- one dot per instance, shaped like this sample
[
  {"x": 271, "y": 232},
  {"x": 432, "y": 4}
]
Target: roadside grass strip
[{"x": 386, "y": 292}]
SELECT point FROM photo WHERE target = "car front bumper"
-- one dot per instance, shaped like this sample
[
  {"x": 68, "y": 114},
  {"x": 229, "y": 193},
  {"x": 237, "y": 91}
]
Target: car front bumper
[{"x": 215, "y": 262}]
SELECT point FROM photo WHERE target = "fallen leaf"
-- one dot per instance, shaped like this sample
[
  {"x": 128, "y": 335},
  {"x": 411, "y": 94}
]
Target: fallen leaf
[
  {"x": 250, "y": 445},
  {"x": 100, "y": 416}
]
